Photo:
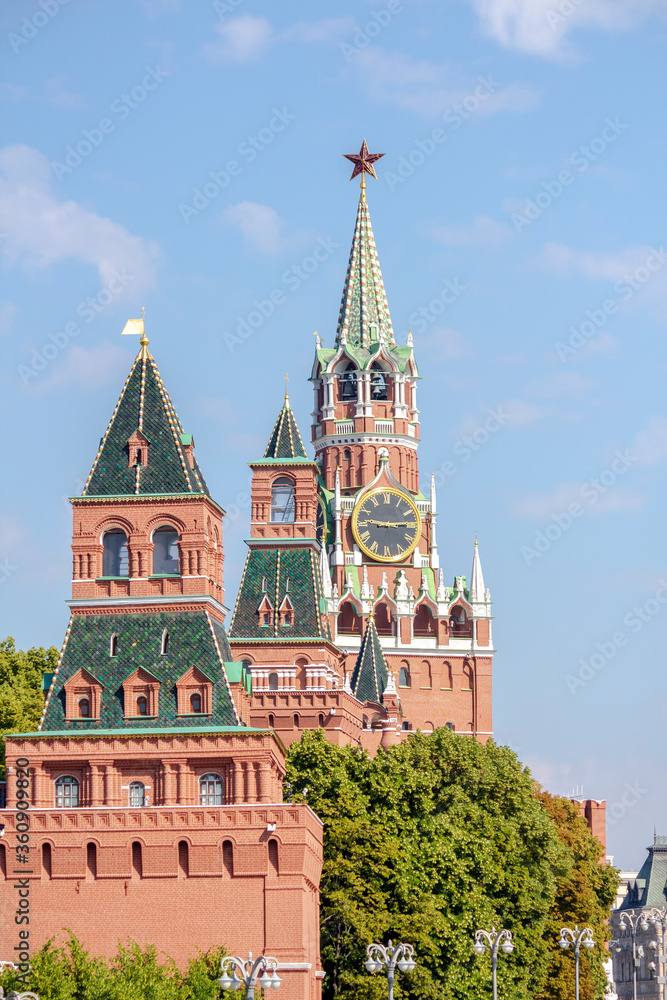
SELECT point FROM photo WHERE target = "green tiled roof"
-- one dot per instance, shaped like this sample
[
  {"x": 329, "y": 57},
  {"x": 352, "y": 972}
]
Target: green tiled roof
[
  {"x": 285, "y": 441},
  {"x": 649, "y": 889},
  {"x": 195, "y": 640},
  {"x": 370, "y": 674},
  {"x": 144, "y": 406},
  {"x": 142, "y": 731},
  {"x": 267, "y": 573}
]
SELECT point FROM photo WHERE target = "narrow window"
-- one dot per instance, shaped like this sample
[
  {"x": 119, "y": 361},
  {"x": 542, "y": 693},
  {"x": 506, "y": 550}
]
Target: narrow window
[
  {"x": 282, "y": 500},
  {"x": 407, "y": 725},
  {"x": 228, "y": 857},
  {"x": 137, "y": 794},
  {"x": 346, "y": 455},
  {"x": 267, "y": 619},
  {"x": 142, "y": 706},
  {"x": 67, "y": 792},
  {"x": 320, "y": 720},
  {"x": 164, "y": 649},
  {"x": 404, "y": 677},
  {"x": 46, "y": 860},
  {"x": 165, "y": 552},
  {"x": 383, "y": 620},
  {"x": 3, "y": 861},
  {"x": 296, "y": 720},
  {"x": 210, "y": 790},
  {"x": 115, "y": 560},
  {"x": 91, "y": 860},
  {"x": 184, "y": 857},
  {"x": 272, "y": 721},
  {"x": 273, "y": 682},
  {"x": 288, "y": 618},
  {"x": 84, "y": 708},
  {"x": 113, "y": 645},
  {"x": 137, "y": 859},
  {"x": 195, "y": 703},
  {"x": 273, "y": 857},
  {"x": 378, "y": 382}
]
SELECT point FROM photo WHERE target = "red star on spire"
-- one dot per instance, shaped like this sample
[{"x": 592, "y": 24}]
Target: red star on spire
[{"x": 363, "y": 161}]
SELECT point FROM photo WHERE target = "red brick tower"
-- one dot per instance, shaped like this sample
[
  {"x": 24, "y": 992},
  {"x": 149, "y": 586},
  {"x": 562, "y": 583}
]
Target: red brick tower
[{"x": 156, "y": 811}]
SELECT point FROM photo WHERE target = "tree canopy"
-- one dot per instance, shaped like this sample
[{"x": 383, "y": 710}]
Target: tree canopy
[
  {"x": 21, "y": 698},
  {"x": 433, "y": 839}
]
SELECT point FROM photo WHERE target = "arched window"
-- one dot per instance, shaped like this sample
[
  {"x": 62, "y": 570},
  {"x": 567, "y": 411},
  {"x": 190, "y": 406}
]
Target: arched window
[
  {"x": 297, "y": 720},
  {"x": 228, "y": 857},
  {"x": 287, "y": 618},
  {"x": 426, "y": 674},
  {"x": 164, "y": 648},
  {"x": 3, "y": 860},
  {"x": 113, "y": 645},
  {"x": 210, "y": 790},
  {"x": 184, "y": 857},
  {"x": 320, "y": 721},
  {"x": 67, "y": 792},
  {"x": 378, "y": 382},
  {"x": 137, "y": 794},
  {"x": 349, "y": 622},
  {"x": 346, "y": 455},
  {"x": 46, "y": 859},
  {"x": 407, "y": 726},
  {"x": 447, "y": 675},
  {"x": 461, "y": 624},
  {"x": 84, "y": 708},
  {"x": 282, "y": 499},
  {"x": 137, "y": 859},
  {"x": 165, "y": 552},
  {"x": 450, "y": 725},
  {"x": 195, "y": 704},
  {"x": 424, "y": 624},
  {"x": 91, "y": 860},
  {"x": 347, "y": 383},
  {"x": 383, "y": 622},
  {"x": 404, "y": 676},
  {"x": 466, "y": 684},
  {"x": 272, "y": 721},
  {"x": 273, "y": 857},
  {"x": 116, "y": 560},
  {"x": 273, "y": 681},
  {"x": 142, "y": 706}
]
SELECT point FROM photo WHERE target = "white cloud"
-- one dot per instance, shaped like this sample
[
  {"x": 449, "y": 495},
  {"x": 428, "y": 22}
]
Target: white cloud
[
  {"x": 241, "y": 39},
  {"x": 7, "y": 313},
  {"x": 260, "y": 224},
  {"x": 86, "y": 368},
  {"x": 481, "y": 230},
  {"x": 542, "y": 26},
  {"x": 543, "y": 506},
  {"x": 40, "y": 230},
  {"x": 651, "y": 442},
  {"x": 56, "y": 94},
  {"x": 639, "y": 272},
  {"x": 429, "y": 88}
]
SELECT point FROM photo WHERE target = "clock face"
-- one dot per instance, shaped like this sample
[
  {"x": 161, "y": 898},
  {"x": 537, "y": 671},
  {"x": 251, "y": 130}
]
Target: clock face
[{"x": 386, "y": 525}]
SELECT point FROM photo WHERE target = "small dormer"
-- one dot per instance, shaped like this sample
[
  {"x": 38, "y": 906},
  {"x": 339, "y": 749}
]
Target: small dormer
[
  {"x": 188, "y": 445},
  {"x": 265, "y": 612},
  {"x": 194, "y": 693},
  {"x": 286, "y": 612},
  {"x": 140, "y": 694},
  {"x": 137, "y": 450},
  {"x": 83, "y": 696}
]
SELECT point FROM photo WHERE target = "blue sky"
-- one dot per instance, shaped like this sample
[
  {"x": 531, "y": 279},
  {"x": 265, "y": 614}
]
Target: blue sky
[{"x": 187, "y": 157}]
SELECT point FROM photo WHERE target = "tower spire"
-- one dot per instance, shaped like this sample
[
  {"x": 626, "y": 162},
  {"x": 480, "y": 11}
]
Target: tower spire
[
  {"x": 364, "y": 312},
  {"x": 477, "y": 592}
]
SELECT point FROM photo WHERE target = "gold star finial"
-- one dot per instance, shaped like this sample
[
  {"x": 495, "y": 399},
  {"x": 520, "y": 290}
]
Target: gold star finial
[{"x": 363, "y": 163}]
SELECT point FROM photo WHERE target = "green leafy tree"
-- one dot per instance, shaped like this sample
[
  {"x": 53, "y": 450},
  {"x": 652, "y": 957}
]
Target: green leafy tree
[
  {"x": 134, "y": 973},
  {"x": 585, "y": 891},
  {"x": 425, "y": 843},
  {"x": 21, "y": 698}
]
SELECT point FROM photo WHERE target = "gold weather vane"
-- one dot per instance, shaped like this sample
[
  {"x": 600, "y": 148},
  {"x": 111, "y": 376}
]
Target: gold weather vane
[
  {"x": 363, "y": 163},
  {"x": 286, "y": 381},
  {"x": 138, "y": 326}
]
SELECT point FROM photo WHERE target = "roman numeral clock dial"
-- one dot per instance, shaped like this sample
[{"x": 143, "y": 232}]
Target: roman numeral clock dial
[{"x": 386, "y": 525}]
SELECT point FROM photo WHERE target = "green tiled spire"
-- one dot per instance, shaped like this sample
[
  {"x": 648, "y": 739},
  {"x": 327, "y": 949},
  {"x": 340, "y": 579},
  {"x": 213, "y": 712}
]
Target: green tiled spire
[
  {"x": 285, "y": 441},
  {"x": 364, "y": 313},
  {"x": 276, "y": 578},
  {"x": 195, "y": 640},
  {"x": 145, "y": 407},
  {"x": 370, "y": 674}
]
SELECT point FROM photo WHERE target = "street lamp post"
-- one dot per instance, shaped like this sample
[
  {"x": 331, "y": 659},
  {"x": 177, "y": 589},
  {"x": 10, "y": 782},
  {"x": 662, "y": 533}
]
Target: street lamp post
[
  {"x": 495, "y": 940},
  {"x": 658, "y": 920},
  {"x": 577, "y": 938},
  {"x": 390, "y": 958},
  {"x": 249, "y": 974},
  {"x": 630, "y": 921}
]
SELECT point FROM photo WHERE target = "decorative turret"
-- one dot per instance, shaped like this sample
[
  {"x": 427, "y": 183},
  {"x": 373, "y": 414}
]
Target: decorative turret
[
  {"x": 370, "y": 674},
  {"x": 285, "y": 441}
]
